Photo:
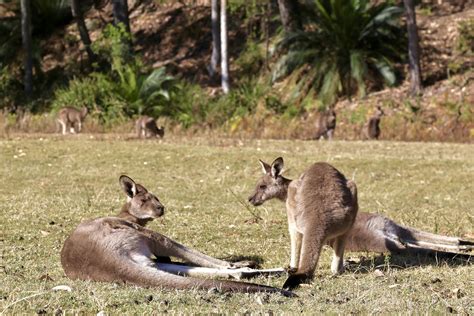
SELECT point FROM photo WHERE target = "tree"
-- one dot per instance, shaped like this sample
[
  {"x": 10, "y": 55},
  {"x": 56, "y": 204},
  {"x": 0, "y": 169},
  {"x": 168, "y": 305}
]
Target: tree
[
  {"x": 224, "y": 57},
  {"x": 81, "y": 25},
  {"x": 216, "y": 45},
  {"x": 27, "y": 46},
  {"x": 290, "y": 15},
  {"x": 413, "y": 48}
]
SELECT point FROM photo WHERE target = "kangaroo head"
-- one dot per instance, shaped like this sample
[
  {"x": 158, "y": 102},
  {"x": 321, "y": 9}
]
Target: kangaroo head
[
  {"x": 84, "y": 112},
  {"x": 331, "y": 117},
  {"x": 271, "y": 185},
  {"x": 161, "y": 131},
  {"x": 140, "y": 203},
  {"x": 378, "y": 112}
]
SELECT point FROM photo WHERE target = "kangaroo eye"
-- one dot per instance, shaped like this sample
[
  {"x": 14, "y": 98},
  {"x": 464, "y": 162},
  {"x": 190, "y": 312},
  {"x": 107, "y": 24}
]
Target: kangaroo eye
[{"x": 262, "y": 187}]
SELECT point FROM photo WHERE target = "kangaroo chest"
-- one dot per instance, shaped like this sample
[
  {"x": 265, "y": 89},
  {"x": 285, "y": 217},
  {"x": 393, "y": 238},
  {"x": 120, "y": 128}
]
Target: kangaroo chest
[{"x": 292, "y": 210}]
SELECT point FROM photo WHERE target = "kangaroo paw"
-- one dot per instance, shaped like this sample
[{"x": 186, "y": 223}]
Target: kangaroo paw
[
  {"x": 290, "y": 270},
  {"x": 244, "y": 264}
]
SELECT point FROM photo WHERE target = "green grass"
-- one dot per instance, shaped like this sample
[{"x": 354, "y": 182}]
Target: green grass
[{"x": 50, "y": 185}]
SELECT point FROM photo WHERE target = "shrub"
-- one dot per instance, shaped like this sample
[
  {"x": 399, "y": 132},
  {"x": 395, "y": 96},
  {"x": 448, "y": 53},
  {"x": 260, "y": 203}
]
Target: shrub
[
  {"x": 96, "y": 92},
  {"x": 344, "y": 44},
  {"x": 465, "y": 41}
]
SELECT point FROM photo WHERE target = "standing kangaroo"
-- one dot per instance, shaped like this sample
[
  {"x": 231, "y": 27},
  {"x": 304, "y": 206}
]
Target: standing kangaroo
[
  {"x": 326, "y": 125},
  {"x": 121, "y": 249},
  {"x": 371, "y": 129},
  {"x": 320, "y": 206},
  {"x": 72, "y": 118},
  {"x": 146, "y": 127}
]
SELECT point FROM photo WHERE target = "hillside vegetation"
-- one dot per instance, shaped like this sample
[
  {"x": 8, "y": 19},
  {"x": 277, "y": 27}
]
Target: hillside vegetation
[{"x": 174, "y": 39}]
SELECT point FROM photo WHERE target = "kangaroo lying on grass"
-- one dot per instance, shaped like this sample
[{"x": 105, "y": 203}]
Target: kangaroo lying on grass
[
  {"x": 320, "y": 206},
  {"x": 72, "y": 118},
  {"x": 145, "y": 126},
  {"x": 376, "y": 233},
  {"x": 120, "y": 249}
]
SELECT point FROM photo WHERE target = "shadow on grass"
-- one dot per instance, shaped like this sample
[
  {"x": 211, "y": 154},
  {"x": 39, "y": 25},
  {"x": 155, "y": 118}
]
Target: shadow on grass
[{"x": 400, "y": 261}]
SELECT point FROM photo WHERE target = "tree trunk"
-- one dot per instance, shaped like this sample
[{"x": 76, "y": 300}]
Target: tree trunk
[
  {"x": 224, "y": 57},
  {"x": 413, "y": 48},
  {"x": 216, "y": 44},
  {"x": 27, "y": 47},
  {"x": 289, "y": 14},
  {"x": 81, "y": 26}
]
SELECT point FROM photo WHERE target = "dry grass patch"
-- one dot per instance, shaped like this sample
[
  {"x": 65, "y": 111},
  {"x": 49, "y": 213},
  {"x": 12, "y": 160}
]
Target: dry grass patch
[{"x": 51, "y": 184}]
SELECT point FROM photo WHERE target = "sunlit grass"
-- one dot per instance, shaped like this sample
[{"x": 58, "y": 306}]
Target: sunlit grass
[{"x": 50, "y": 185}]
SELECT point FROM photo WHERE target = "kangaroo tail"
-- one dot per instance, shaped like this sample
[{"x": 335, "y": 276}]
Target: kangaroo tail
[{"x": 151, "y": 277}]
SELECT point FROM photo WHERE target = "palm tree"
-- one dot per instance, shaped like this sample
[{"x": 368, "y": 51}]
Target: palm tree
[
  {"x": 413, "y": 48},
  {"x": 346, "y": 43},
  {"x": 27, "y": 46},
  {"x": 81, "y": 26}
]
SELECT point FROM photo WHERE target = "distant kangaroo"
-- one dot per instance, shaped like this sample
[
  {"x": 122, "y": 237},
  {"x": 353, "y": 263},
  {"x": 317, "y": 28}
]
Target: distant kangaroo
[
  {"x": 120, "y": 249},
  {"x": 371, "y": 129},
  {"x": 326, "y": 125},
  {"x": 146, "y": 127},
  {"x": 320, "y": 206},
  {"x": 72, "y": 118}
]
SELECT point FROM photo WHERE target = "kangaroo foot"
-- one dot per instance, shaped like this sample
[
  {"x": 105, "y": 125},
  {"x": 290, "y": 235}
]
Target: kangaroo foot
[{"x": 294, "y": 281}]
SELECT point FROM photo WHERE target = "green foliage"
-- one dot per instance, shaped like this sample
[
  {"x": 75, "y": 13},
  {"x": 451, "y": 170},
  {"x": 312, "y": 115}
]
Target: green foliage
[
  {"x": 95, "y": 92},
  {"x": 112, "y": 46},
  {"x": 345, "y": 44},
  {"x": 10, "y": 89},
  {"x": 465, "y": 41}
]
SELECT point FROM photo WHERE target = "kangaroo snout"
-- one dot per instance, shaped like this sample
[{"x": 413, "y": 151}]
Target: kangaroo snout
[
  {"x": 254, "y": 201},
  {"x": 160, "y": 211}
]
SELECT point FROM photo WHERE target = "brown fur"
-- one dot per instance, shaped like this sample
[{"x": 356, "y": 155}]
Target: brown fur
[
  {"x": 145, "y": 126},
  {"x": 326, "y": 125},
  {"x": 120, "y": 249},
  {"x": 376, "y": 233},
  {"x": 320, "y": 206},
  {"x": 72, "y": 118},
  {"x": 372, "y": 127}
]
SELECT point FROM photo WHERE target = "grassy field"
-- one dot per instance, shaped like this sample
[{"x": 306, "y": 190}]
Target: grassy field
[{"x": 51, "y": 184}]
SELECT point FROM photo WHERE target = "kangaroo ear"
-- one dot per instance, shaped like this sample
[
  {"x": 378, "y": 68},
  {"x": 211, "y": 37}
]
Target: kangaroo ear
[
  {"x": 128, "y": 186},
  {"x": 265, "y": 167},
  {"x": 140, "y": 188},
  {"x": 277, "y": 167}
]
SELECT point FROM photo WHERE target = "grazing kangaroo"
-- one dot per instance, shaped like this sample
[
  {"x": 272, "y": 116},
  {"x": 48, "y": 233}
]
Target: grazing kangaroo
[
  {"x": 120, "y": 249},
  {"x": 146, "y": 127},
  {"x": 320, "y": 206},
  {"x": 72, "y": 118},
  {"x": 371, "y": 129},
  {"x": 326, "y": 125},
  {"x": 376, "y": 233}
]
